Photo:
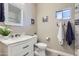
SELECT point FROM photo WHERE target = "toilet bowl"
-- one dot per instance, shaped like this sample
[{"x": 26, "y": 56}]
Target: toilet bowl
[{"x": 40, "y": 49}]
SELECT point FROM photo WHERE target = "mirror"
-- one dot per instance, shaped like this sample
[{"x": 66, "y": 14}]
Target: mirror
[{"x": 13, "y": 14}]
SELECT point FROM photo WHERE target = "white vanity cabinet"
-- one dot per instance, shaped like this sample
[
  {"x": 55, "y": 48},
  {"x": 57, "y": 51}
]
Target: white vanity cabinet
[{"x": 20, "y": 48}]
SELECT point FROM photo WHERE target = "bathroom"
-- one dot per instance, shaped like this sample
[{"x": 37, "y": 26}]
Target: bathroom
[{"x": 40, "y": 20}]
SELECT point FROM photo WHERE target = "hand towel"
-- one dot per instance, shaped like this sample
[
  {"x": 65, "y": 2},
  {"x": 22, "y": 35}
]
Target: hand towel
[
  {"x": 2, "y": 18},
  {"x": 60, "y": 34},
  {"x": 69, "y": 34}
]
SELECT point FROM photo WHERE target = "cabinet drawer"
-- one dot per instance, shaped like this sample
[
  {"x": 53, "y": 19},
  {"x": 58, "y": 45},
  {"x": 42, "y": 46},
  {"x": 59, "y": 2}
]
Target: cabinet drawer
[
  {"x": 27, "y": 52},
  {"x": 30, "y": 53}
]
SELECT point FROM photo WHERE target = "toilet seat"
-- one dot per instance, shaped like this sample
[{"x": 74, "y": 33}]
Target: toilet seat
[{"x": 41, "y": 45}]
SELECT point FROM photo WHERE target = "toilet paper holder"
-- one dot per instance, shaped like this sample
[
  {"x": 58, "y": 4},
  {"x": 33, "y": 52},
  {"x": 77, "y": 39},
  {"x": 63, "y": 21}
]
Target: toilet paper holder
[{"x": 47, "y": 38}]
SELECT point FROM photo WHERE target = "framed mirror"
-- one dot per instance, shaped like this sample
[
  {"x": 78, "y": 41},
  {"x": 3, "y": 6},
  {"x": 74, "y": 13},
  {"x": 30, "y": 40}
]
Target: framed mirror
[{"x": 13, "y": 14}]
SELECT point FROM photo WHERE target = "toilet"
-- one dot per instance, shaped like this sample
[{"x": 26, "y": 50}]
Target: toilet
[{"x": 40, "y": 49}]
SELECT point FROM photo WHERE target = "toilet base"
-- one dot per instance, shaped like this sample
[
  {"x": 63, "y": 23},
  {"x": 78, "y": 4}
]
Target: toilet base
[{"x": 40, "y": 53}]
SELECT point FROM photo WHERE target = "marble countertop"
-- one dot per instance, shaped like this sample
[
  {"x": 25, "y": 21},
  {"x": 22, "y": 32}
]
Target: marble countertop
[{"x": 9, "y": 41}]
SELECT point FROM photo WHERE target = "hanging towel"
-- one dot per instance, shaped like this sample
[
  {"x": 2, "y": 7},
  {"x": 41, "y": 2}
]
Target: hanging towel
[
  {"x": 60, "y": 35},
  {"x": 69, "y": 34},
  {"x": 2, "y": 18}
]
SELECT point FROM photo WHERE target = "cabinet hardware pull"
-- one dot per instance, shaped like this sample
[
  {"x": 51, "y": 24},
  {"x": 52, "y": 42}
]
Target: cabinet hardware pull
[
  {"x": 26, "y": 54},
  {"x": 25, "y": 46}
]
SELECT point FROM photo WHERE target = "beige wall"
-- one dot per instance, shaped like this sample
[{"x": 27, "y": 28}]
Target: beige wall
[
  {"x": 49, "y": 29},
  {"x": 29, "y": 12}
]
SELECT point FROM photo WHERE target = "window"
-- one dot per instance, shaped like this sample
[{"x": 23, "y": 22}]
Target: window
[
  {"x": 59, "y": 15},
  {"x": 63, "y": 15},
  {"x": 66, "y": 14}
]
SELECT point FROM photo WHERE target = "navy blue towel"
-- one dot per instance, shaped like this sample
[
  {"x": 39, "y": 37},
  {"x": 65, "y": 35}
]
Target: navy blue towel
[
  {"x": 2, "y": 18},
  {"x": 69, "y": 34}
]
